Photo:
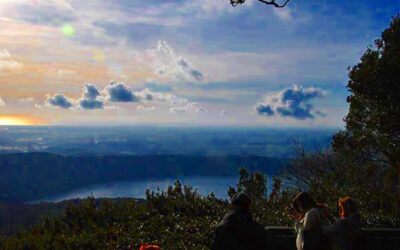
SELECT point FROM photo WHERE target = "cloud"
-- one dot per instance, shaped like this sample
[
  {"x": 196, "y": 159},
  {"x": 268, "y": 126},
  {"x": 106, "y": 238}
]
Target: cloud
[
  {"x": 177, "y": 104},
  {"x": 120, "y": 92},
  {"x": 7, "y": 64},
  {"x": 91, "y": 98},
  {"x": 189, "y": 107},
  {"x": 10, "y": 65},
  {"x": 25, "y": 102},
  {"x": 146, "y": 108},
  {"x": 59, "y": 100},
  {"x": 283, "y": 13},
  {"x": 91, "y": 104},
  {"x": 61, "y": 72},
  {"x": 5, "y": 54},
  {"x": 166, "y": 64},
  {"x": 212, "y": 8},
  {"x": 2, "y": 103},
  {"x": 187, "y": 69},
  {"x": 291, "y": 102},
  {"x": 145, "y": 95},
  {"x": 91, "y": 92}
]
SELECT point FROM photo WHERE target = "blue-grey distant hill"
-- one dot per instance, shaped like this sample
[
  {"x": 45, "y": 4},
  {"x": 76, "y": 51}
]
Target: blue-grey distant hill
[{"x": 31, "y": 176}]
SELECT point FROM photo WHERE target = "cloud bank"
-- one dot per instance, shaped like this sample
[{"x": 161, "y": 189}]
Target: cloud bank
[
  {"x": 292, "y": 102},
  {"x": 93, "y": 98}
]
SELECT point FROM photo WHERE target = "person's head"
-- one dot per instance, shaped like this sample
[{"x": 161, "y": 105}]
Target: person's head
[
  {"x": 347, "y": 207},
  {"x": 303, "y": 201},
  {"x": 149, "y": 247},
  {"x": 240, "y": 201}
]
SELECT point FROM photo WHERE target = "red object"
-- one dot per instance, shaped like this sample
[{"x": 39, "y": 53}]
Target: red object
[{"x": 149, "y": 247}]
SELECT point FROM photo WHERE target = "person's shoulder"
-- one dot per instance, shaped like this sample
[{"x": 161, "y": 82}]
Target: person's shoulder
[
  {"x": 229, "y": 216},
  {"x": 228, "y": 219},
  {"x": 314, "y": 212}
]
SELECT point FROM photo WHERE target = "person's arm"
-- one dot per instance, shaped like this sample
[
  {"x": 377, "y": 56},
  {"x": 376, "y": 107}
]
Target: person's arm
[
  {"x": 298, "y": 225},
  {"x": 333, "y": 229}
]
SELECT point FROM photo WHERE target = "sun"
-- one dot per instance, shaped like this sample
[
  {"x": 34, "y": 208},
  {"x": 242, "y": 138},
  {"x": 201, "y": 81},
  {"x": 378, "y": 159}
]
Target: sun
[{"x": 17, "y": 121}]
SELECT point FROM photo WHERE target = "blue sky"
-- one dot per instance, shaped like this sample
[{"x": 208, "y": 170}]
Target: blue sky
[{"x": 197, "y": 62}]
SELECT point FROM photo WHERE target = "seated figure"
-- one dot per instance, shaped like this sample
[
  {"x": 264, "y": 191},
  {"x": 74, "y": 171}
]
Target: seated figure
[
  {"x": 238, "y": 230},
  {"x": 308, "y": 215},
  {"x": 343, "y": 233}
]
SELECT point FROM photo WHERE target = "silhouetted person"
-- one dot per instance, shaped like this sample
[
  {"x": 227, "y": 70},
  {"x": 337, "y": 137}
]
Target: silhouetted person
[
  {"x": 238, "y": 230},
  {"x": 343, "y": 234},
  {"x": 308, "y": 219}
]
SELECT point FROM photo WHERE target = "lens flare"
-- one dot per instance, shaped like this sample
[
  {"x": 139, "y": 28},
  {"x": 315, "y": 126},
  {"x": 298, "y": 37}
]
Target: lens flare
[
  {"x": 98, "y": 55},
  {"x": 68, "y": 30}
]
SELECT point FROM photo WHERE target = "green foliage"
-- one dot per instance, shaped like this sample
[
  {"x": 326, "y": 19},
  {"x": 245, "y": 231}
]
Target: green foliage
[
  {"x": 373, "y": 121},
  {"x": 329, "y": 177},
  {"x": 367, "y": 153},
  {"x": 268, "y": 210},
  {"x": 176, "y": 218}
]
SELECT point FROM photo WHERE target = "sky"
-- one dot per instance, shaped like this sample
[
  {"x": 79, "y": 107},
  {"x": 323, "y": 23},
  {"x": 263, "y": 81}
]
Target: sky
[{"x": 182, "y": 62}]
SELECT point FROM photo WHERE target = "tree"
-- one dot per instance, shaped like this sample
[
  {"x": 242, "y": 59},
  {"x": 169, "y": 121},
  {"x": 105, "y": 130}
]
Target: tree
[
  {"x": 371, "y": 141},
  {"x": 234, "y": 3},
  {"x": 372, "y": 132}
]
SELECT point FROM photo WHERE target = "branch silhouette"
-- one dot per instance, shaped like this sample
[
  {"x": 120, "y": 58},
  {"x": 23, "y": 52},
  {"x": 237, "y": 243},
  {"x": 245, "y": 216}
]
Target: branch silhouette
[{"x": 234, "y": 3}]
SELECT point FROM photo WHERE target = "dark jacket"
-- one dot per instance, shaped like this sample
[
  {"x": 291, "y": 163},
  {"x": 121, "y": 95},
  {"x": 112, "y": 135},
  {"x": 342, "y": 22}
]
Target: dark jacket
[
  {"x": 238, "y": 231},
  {"x": 343, "y": 233}
]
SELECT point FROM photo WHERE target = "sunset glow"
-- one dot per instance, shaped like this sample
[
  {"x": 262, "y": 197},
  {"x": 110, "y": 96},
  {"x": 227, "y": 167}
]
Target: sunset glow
[{"x": 17, "y": 121}]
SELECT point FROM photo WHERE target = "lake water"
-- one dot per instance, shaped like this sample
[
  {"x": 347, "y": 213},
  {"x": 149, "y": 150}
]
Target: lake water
[{"x": 204, "y": 185}]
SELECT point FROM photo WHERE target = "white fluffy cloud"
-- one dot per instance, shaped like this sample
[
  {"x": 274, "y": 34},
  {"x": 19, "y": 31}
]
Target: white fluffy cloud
[
  {"x": 167, "y": 65},
  {"x": 291, "y": 102},
  {"x": 7, "y": 63}
]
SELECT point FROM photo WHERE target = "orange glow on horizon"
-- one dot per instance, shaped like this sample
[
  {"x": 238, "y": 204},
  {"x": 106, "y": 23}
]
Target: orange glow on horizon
[{"x": 11, "y": 120}]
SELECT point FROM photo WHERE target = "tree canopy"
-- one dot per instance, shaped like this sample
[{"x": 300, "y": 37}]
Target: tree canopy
[{"x": 373, "y": 123}]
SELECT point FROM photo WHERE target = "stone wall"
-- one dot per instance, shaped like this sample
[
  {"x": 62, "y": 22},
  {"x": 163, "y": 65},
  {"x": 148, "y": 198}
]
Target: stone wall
[{"x": 370, "y": 239}]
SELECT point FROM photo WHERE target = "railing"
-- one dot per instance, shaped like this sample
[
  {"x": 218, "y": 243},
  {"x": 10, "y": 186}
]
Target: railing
[{"x": 370, "y": 239}]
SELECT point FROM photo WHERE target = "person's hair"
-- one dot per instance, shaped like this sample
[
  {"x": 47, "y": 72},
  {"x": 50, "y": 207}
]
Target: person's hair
[
  {"x": 306, "y": 201},
  {"x": 347, "y": 206},
  {"x": 149, "y": 247}
]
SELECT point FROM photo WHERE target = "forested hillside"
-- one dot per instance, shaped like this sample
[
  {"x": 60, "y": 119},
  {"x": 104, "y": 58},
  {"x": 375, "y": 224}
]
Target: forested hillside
[{"x": 32, "y": 176}]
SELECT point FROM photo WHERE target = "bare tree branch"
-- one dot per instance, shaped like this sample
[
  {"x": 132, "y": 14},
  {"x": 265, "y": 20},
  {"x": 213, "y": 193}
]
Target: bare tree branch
[
  {"x": 272, "y": 2},
  {"x": 234, "y": 3}
]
